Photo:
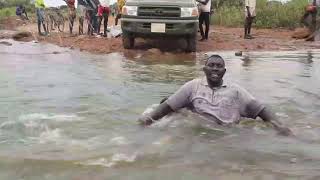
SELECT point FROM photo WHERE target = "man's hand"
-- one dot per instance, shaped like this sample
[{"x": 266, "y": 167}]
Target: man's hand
[
  {"x": 267, "y": 116},
  {"x": 284, "y": 131},
  {"x": 145, "y": 121}
]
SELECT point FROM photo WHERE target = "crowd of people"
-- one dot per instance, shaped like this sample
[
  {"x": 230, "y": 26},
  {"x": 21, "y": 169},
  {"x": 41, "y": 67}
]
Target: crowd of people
[
  {"x": 96, "y": 12},
  {"x": 93, "y": 12}
]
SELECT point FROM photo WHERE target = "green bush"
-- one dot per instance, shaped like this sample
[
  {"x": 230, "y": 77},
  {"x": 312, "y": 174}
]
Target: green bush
[
  {"x": 269, "y": 15},
  {"x": 5, "y": 12}
]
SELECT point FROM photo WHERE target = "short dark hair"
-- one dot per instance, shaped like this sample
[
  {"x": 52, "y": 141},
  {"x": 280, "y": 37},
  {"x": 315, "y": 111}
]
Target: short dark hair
[{"x": 214, "y": 56}]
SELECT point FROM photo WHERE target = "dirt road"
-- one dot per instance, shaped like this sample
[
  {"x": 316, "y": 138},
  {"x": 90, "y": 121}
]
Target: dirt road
[{"x": 220, "y": 38}]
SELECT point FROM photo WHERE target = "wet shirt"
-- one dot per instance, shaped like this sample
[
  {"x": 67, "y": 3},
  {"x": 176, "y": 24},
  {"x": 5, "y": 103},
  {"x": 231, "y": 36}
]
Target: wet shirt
[
  {"x": 252, "y": 7},
  {"x": 224, "y": 105}
]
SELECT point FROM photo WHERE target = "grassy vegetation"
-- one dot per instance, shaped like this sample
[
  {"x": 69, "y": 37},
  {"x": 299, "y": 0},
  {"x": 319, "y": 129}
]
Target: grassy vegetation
[
  {"x": 9, "y": 11},
  {"x": 269, "y": 15},
  {"x": 8, "y": 7}
]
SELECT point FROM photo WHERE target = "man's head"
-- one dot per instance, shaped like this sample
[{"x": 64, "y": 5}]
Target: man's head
[{"x": 214, "y": 69}]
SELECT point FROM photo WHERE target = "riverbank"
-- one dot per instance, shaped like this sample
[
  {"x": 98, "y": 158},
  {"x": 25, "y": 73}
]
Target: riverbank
[{"x": 220, "y": 39}]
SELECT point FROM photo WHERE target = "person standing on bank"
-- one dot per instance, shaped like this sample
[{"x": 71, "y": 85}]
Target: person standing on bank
[
  {"x": 39, "y": 5},
  {"x": 250, "y": 14},
  {"x": 205, "y": 9},
  {"x": 120, "y": 4},
  {"x": 220, "y": 103},
  {"x": 72, "y": 13},
  {"x": 103, "y": 13}
]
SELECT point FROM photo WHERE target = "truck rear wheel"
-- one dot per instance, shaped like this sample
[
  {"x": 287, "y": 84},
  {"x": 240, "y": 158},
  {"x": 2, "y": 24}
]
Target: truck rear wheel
[
  {"x": 191, "y": 44},
  {"x": 127, "y": 41}
]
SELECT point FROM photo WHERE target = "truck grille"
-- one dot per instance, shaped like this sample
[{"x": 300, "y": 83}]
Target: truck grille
[{"x": 159, "y": 11}]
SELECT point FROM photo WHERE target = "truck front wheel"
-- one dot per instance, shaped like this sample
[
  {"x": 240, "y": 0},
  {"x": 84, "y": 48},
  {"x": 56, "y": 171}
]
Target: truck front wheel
[
  {"x": 127, "y": 41},
  {"x": 191, "y": 44}
]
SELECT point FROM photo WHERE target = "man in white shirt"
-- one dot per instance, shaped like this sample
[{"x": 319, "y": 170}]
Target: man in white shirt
[
  {"x": 250, "y": 14},
  {"x": 205, "y": 8}
]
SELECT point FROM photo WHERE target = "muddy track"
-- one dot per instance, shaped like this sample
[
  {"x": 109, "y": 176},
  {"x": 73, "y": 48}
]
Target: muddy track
[{"x": 220, "y": 39}]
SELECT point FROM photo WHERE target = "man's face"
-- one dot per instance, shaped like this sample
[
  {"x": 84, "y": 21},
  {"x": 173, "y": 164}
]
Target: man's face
[{"x": 214, "y": 69}]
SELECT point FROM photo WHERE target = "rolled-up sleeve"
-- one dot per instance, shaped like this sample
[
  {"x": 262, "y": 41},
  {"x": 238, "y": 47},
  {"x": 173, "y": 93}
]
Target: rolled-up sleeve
[
  {"x": 249, "y": 106},
  {"x": 181, "y": 98}
]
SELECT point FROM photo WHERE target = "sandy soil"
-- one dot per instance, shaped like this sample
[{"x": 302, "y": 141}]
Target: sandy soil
[{"x": 220, "y": 38}]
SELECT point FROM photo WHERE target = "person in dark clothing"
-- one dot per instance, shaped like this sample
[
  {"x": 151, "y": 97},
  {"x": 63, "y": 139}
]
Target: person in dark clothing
[
  {"x": 88, "y": 11},
  {"x": 250, "y": 14},
  {"x": 21, "y": 12},
  {"x": 205, "y": 9}
]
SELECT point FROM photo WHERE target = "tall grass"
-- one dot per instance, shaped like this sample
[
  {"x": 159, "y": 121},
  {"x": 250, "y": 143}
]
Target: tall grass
[
  {"x": 269, "y": 15},
  {"x": 9, "y": 11}
]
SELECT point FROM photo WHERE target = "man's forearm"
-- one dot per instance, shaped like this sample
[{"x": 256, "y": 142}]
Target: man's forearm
[
  {"x": 267, "y": 116},
  {"x": 162, "y": 110}
]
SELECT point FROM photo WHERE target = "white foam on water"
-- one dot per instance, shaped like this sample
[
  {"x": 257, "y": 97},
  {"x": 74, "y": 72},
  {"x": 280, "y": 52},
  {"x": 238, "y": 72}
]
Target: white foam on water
[
  {"x": 163, "y": 141},
  {"x": 120, "y": 140},
  {"x": 48, "y": 136},
  {"x": 55, "y": 117},
  {"x": 7, "y": 124},
  {"x": 114, "y": 160}
]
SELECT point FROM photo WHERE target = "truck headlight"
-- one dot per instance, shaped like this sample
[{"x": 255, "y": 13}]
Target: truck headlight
[
  {"x": 189, "y": 12},
  {"x": 130, "y": 10}
]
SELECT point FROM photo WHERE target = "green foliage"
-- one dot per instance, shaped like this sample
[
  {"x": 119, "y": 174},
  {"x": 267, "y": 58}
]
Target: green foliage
[
  {"x": 5, "y": 12},
  {"x": 8, "y": 7},
  {"x": 13, "y": 3},
  {"x": 269, "y": 14},
  {"x": 231, "y": 16}
]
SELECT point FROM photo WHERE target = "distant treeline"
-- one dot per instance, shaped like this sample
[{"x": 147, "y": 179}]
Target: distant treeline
[{"x": 269, "y": 14}]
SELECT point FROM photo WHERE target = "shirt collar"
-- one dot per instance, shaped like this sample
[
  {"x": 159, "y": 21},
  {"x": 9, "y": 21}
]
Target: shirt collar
[{"x": 204, "y": 82}]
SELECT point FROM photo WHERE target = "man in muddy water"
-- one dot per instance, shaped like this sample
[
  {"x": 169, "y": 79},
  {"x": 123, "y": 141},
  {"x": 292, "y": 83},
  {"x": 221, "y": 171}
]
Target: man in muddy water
[
  {"x": 39, "y": 5},
  {"x": 250, "y": 14},
  {"x": 220, "y": 103},
  {"x": 205, "y": 9}
]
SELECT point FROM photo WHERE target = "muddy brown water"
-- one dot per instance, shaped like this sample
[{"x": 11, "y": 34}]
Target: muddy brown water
[{"x": 71, "y": 115}]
